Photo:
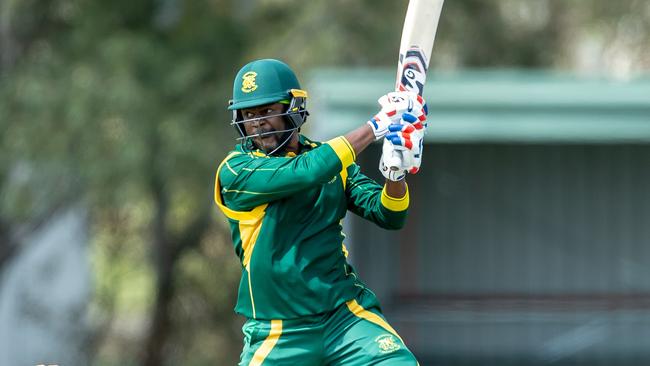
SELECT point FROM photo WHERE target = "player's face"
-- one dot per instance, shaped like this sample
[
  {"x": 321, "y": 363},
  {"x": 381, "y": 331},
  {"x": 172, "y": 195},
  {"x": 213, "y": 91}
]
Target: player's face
[{"x": 270, "y": 121}]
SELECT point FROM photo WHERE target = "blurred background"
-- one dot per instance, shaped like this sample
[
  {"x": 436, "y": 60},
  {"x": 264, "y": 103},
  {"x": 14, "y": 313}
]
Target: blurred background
[{"x": 528, "y": 240}]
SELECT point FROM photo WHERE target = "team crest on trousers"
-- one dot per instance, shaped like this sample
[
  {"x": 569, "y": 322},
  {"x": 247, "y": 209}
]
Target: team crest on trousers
[
  {"x": 248, "y": 84},
  {"x": 387, "y": 343}
]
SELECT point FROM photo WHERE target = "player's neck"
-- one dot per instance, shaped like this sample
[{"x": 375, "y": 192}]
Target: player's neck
[{"x": 294, "y": 144}]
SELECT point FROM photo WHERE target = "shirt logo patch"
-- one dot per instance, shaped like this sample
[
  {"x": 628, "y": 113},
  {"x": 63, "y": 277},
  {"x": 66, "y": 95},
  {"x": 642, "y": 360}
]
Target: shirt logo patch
[
  {"x": 248, "y": 84},
  {"x": 387, "y": 343},
  {"x": 332, "y": 180}
]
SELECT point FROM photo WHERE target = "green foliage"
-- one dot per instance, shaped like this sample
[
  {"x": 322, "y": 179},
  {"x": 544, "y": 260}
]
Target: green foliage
[{"x": 106, "y": 109}]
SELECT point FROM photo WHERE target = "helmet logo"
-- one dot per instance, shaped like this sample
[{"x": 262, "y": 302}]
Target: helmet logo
[{"x": 248, "y": 84}]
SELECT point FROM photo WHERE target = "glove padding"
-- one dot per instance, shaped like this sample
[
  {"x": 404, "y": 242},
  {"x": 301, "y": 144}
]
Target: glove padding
[
  {"x": 393, "y": 105},
  {"x": 388, "y": 149},
  {"x": 407, "y": 140}
]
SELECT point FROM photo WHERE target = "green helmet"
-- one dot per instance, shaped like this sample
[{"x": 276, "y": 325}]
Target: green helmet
[
  {"x": 268, "y": 81},
  {"x": 263, "y": 82}
]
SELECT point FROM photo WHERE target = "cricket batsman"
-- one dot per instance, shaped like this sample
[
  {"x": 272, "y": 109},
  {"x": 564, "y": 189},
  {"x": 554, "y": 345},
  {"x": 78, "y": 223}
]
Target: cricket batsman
[{"x": 285, "y": 197}]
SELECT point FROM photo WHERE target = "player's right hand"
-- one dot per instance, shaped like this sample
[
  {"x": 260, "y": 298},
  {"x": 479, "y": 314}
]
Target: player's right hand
[
  {"x": 405, "y": 162},
  {"x": 407, "y": 139},
  {"x": 393, "y": 106}
]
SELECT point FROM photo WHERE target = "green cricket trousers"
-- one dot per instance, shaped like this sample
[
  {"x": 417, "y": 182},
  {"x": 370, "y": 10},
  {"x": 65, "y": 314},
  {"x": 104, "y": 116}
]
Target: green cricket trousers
[{"x": 354, "y": 334}]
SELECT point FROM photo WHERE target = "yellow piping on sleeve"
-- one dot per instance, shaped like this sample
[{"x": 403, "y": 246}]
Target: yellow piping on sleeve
[
  {"x": 395, "y": 204},
  {"x": 343, "y": 150}
]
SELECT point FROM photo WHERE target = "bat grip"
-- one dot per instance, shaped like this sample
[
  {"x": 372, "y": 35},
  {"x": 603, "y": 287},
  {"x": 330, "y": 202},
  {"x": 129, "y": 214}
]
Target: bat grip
[{"x": 395, "y": 160}]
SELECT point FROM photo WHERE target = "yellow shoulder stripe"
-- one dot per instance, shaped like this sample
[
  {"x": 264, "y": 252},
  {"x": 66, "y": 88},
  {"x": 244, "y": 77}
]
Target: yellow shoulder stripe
[
  {"x": 246, "y": 216},
  {"x": 250, "y": 224},
  {"x": 395, "y": 204}
]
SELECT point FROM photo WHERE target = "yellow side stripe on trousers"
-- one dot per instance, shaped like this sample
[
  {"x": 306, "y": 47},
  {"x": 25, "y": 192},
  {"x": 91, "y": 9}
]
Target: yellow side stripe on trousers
[
  {"x": 360, "y": 312},
  {"x": 263, "y": 352}
]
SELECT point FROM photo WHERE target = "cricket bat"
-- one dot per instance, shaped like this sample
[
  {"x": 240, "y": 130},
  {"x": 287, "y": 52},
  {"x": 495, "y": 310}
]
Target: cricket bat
[{"x": 418, "y": 34}]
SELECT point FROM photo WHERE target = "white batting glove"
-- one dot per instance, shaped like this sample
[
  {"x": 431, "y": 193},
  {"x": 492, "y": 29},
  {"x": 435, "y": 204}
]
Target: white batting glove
[
  {"x": 405, "y": 159},
  {"x": 407, "y": 136},
  {"x": 393, "y": 105}
]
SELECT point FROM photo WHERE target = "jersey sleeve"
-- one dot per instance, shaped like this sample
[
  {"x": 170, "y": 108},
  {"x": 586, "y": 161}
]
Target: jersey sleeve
[
  {"x": 245, "y": 180},
  {"x": 369, "y": 200}
]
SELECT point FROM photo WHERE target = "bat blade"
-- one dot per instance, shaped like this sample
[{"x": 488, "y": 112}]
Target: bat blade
[{"x": 418, "y": 35}]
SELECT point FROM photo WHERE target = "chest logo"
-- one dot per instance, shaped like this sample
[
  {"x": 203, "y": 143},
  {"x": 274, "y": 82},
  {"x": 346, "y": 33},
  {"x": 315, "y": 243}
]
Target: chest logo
[
  {"x": 332, "y": 180},
  {"x": 248, "y": 83},
  {"x": 387, "y": 343}
]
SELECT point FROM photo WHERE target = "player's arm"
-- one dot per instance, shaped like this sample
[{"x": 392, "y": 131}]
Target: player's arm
[
  {"x": 360, "y": 138},
  {"x": 385, "y": 205},
  {"x": 407, "y": 138},
  {"x": 396, "y": 189},
  {"x": 247, "y": 181}
]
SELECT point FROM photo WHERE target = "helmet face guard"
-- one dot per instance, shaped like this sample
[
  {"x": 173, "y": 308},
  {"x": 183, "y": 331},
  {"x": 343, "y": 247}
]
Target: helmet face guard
[{"x": 295, "y": 115}]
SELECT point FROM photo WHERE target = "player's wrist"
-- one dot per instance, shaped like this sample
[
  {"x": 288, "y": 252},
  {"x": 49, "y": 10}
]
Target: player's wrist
[
  {"x": 395, "y": 193},
  {"x": 379, "y": 124}
]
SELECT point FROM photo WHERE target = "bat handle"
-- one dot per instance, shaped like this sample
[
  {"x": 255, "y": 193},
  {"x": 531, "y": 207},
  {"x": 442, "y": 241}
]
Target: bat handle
[{"x": 395, "y": 160}]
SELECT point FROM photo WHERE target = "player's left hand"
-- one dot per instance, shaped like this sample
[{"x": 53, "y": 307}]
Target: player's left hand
[
  {"x": 404, "y": 102},
  {"x": 393, "y": 106}
]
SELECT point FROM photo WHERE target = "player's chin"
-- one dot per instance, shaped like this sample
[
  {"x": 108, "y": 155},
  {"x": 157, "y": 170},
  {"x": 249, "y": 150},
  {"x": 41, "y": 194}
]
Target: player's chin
[{"x": 267, "y": 144}]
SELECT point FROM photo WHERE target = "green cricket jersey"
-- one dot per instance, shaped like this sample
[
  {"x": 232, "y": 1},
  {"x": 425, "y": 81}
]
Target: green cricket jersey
[{"x": 285, "y": 218}]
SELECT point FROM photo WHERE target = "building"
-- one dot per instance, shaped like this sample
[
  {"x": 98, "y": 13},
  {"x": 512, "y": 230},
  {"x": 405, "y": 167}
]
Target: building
[{"x": 528, "y": 241}]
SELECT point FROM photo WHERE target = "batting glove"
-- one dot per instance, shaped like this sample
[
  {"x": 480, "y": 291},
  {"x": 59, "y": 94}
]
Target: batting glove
[
  {"x": 393, "y": 105},
  {"x": 405, "y": 160},
  {"x": 407, "y": 139}
]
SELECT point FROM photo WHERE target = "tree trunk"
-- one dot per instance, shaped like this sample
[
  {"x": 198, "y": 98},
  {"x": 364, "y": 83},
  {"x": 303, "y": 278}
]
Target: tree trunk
[{"x": 164, "y": 260}]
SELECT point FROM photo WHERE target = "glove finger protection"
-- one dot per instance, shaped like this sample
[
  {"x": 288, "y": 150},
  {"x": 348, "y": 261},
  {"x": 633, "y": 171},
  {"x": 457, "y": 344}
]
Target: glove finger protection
[
  {"x": 408, "y": 136},
  {"x": 400, "y": 137},
  {"x": 404, "y": 102},
  {"x": 394, "y": 105}
]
